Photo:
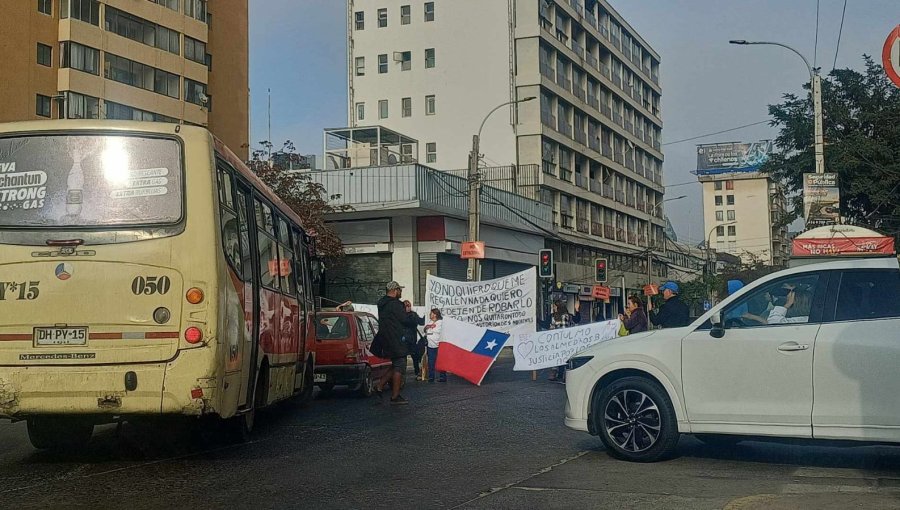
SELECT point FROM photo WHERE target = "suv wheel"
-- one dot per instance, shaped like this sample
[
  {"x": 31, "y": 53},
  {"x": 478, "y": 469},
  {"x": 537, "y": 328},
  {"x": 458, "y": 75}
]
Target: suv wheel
[
  {"x": 366, "y": 383},
  {"x": 636, "y": 420}
]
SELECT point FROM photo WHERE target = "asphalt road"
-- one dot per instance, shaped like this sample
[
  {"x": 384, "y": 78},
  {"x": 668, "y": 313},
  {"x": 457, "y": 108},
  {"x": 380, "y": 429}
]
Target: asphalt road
[{"x": 502, "y": 445}]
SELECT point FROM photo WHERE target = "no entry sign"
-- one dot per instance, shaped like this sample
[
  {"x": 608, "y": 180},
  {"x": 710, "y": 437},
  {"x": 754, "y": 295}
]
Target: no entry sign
[{"x": 890, "y": 57}]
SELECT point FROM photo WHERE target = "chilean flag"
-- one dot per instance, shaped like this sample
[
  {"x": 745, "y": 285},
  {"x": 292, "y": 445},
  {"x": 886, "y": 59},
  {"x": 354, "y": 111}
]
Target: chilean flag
[{"x": 468, "y": 351}]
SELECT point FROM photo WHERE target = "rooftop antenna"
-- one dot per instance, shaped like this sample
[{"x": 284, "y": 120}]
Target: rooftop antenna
[{"x": 270, "y": 126}]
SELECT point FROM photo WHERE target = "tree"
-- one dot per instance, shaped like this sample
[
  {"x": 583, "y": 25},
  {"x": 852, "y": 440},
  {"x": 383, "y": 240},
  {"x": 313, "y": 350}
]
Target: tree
[
  {"x": 308, "y": 199},
  {"x": 862, "y": 145}
]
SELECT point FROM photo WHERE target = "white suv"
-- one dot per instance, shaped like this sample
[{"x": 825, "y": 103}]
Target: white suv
[{"x": 811, "y": 352}]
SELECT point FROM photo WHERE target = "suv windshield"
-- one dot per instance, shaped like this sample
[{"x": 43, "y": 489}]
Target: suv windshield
[{"x": 89, "y": 181}]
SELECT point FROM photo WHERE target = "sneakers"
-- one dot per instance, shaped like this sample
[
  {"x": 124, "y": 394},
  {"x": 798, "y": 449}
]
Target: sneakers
[{"x": 399, "y": 401}]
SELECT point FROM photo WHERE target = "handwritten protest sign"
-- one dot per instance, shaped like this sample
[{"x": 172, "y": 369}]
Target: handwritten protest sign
[
  {"x": 552, "y": 348},
  {"x": 506, "y": 304}
]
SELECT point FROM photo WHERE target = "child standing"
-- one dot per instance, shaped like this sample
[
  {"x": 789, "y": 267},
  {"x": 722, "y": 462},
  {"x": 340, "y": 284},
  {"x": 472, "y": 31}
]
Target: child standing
[{"x": 433, "y": 334}]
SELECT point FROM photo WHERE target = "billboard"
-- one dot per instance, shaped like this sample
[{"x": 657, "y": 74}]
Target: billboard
[
  {"x": 821, "y": 199},
  {"x": 726, "y": 158}
]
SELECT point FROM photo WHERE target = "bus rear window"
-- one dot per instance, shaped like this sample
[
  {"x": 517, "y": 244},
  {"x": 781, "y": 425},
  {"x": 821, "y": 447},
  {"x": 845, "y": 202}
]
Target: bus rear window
[{"x": 87, "y": 181}]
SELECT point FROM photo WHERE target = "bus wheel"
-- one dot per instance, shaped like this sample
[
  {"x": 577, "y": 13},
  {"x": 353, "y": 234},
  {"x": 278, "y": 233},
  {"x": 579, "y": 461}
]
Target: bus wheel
[
  {"x": 366, "y": 383},
  {"x": 56, "y": 433}
]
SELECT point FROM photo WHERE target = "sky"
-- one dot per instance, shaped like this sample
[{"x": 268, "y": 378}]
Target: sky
[{"x": 298, "y": 50}]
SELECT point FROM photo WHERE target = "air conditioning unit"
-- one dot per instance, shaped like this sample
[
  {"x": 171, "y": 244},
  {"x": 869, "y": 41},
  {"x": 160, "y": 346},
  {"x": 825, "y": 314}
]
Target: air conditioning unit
[{"x": 398, "y": 56}]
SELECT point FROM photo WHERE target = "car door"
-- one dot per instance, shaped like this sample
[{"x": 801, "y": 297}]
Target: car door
[
  {"x": 756, "y": 378},
  {"x": 857, "y": 358}
]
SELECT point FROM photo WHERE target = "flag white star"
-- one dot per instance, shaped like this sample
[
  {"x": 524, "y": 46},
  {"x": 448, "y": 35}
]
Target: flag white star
[{"x": 491, "y": 345}]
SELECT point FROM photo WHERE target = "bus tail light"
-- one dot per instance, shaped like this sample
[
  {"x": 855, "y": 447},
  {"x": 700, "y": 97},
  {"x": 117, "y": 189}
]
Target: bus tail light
[
  {"x": 194, "y": 296},
  {"x": 193, "y": 335},
  {"x": 196, "y": 393}
]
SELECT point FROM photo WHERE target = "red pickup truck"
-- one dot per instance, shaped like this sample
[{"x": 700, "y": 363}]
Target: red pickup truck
[{"x": 341, "y": 347}]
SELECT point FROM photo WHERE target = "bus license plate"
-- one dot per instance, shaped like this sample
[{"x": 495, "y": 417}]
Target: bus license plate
[
  {"x": 60, "y": 336},
  {"x": 320, "y": 378}
]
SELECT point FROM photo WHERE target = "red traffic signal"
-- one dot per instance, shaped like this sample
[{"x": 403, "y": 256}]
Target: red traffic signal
[
  {"x": 545, "y": 270},
  {"x": 600, "y": 270}
]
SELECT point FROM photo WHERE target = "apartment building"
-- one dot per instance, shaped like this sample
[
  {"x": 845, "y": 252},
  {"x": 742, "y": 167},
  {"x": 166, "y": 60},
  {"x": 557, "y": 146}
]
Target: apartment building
[
  {"x": 153, "y": 60},
  {"x": 435, "y": 69}
]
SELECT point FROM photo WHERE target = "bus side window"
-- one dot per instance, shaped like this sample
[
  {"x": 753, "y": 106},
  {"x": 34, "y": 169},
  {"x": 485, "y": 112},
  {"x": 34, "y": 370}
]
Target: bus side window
[
  {"x": 305, "y": 268},
  {"x": 230, "y": 226},
  {"x": 268, "y": 247},
  {"x": 299, "y": 267},
  {"x": 286, "y": 260},
  {"x": 244, "y": 235}
]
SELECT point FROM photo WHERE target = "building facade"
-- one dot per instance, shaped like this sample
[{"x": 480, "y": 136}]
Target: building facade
[
  {"x": 591, "y": 135},
  {"x": 157, "y": 60}
]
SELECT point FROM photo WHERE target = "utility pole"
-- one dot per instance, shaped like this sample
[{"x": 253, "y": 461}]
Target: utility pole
[{"x": 474, "y": 271}]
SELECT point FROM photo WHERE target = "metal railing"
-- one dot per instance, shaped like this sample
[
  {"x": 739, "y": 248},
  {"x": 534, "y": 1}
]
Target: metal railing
[
  {"x": 609, "y": 232},
  {"x": 584, "y": 226},
  {"x": 596, "y": 228}
]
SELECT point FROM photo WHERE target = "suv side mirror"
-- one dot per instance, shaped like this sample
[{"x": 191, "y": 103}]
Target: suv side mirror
[{"x": 717, "y": 330}]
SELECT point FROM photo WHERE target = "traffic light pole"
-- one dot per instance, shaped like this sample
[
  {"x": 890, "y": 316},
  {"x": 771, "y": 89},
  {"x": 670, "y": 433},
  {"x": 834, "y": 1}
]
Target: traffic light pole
[{"x": 474, "y": 213}]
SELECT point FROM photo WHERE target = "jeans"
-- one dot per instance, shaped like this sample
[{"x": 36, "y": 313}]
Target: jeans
[{"x": 432, "y": 362}]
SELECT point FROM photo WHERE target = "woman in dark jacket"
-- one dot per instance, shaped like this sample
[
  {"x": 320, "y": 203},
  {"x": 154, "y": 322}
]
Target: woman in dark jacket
[
  {"x": 411, "y": 337},
  {"x": 635, "y": 318}
]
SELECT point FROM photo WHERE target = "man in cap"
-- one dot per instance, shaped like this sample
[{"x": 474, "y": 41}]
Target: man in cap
[
  {"x": 392, "y": 318},
  {"x": 673, "y": 313}
]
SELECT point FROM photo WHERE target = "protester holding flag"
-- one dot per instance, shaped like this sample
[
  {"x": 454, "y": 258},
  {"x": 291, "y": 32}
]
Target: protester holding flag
[{"x": 433, "y": 334}]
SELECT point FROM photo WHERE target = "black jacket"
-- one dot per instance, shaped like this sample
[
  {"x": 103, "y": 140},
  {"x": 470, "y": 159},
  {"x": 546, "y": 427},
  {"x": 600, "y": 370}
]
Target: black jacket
[
  {"x": 412, "y": 332},
  {"x": 392, "y": 318},
  {"x": 672, "y": 314}
]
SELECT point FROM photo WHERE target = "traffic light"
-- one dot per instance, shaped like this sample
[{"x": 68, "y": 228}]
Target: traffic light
[
  {"x": 546, "y": 267},
  {"x": 600, "y": 270}
]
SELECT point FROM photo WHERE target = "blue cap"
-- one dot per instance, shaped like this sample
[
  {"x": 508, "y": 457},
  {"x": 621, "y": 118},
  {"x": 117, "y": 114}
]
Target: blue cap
[{"x": 669, "y": 286}]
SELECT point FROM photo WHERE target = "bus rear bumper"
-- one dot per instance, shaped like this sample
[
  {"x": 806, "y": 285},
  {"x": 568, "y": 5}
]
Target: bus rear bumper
[{"x": 161, "y": 388}]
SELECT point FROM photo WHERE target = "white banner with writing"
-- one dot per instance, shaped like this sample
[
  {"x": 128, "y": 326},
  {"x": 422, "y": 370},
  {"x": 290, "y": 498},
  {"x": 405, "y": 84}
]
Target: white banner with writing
[
  {"x": 507, "y": 304},
  {"x": 547, "y": 349}
]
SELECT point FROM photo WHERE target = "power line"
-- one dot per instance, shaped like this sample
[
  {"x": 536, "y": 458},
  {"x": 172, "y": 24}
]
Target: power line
[
  {"x": 840, "y": 31},
  {"x": 716, "y": 133},
  {"x": 816, "y": 44}
]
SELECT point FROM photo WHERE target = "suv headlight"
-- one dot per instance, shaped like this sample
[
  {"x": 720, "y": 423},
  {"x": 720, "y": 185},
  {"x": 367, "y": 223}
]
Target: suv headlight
[{"x": 577, "y": 361}]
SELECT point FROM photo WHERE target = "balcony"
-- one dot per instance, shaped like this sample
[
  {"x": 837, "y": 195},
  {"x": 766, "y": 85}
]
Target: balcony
[
  {"x": 584, "y": 226},
  {"x": 609, "y": 232},
  {"x": 620, "y": 234},
  {"x": 578, "y": 49},
  {"x": 606, "y": 111},
  {"x": 580, "y": 137},
  {"x": 547, "y": 71},
  {"x": 596, "y": 229},
  {"x": 607, "y": 150}
]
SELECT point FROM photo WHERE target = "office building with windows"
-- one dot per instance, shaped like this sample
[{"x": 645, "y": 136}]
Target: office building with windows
[
  {"x": 591, "y": 135},
  {"x": 149, "y": 60}
]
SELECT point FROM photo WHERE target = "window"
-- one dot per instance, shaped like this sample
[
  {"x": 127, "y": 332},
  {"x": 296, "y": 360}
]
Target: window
[
  {"x": 194, "y": 50},
  {"x": 406, "y": 61},
  {"x": 171, "y": 4},
  {"x": 732, "y": 230},
  {"x": 382, "y": 64},
  {"x": 82, "y": 58},
  {"x": 718, "y": 200},
  {"x": 431, "y": 152},
  {"x": 360, "y": 66},
  {"x": 230, "y": 226},
  {"x": 405, "y": 14},
  {"x": 730, "y": 200},
  {"x": 195, "y": 92},
  {"x": 729, "y": 185},
  {"x": 139, "y": 75},
  {"x": 46, "y": 7},
  {"x": 267, "y": 245},
  {"x": 429, "y": 11},
  {"x": 720, "y": 231},
  {"x": 195, "y": 9},
  {"x": 406, "y": 155},
  {"x": 44, "y": 55},
  {"x": 285, "y": 267},
  {"x": 82, "y": 107},
  {"x": 118, "y": 111},
  {"x": 868, "y": 294},
  {"x": 718, "y": 185},
  {"x": 360, "y": 111},
  {"x": 719, "y": 216},
  {"x": 360, "y": 20},
  {"x": 141, "y": 30},
  {"x": 382, "y": 18},
  {"x": 429, "y": 105},
  {"x": 42, "y": 106},
  {"x": 429, "y": 58},
  {"x": 789, "y": 300},
  {"x": 208, "y": 61},
  {"x": 383, "y": 109},
  {"x": 84, "y": 10},
  {"x": 731, "y": 215},
  {"x": 406, "y": 106}
]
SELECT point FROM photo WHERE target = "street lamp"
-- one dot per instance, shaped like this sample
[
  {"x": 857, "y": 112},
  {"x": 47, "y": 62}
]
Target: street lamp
[
  {"x": 475, "y": 188},
  {"x": 816, "y": 84},
  {"x": 650, "y": 250}
]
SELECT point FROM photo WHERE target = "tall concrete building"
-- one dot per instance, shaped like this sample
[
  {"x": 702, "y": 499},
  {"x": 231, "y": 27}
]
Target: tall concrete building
[
  {"x": 435, "y": 69},
  {"x": 743, "y": 208},
  {"x": 162, "y": 60}
]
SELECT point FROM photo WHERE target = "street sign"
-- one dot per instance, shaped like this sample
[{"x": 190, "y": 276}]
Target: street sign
[
  {"x": 472, "y": 250},
  {"x": 651, "y": 290},
  {"x": 821, "y": 199},
  {"x": 601, "y": 292},
  {"x": 571, "y": 288},
  {"x": 890, "y": 56}
]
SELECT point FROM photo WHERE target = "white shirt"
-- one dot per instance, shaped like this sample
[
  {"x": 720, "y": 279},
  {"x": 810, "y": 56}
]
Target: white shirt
[
  {"x": 778, "y": 315},
  {"x": 433, "y": 333}
]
